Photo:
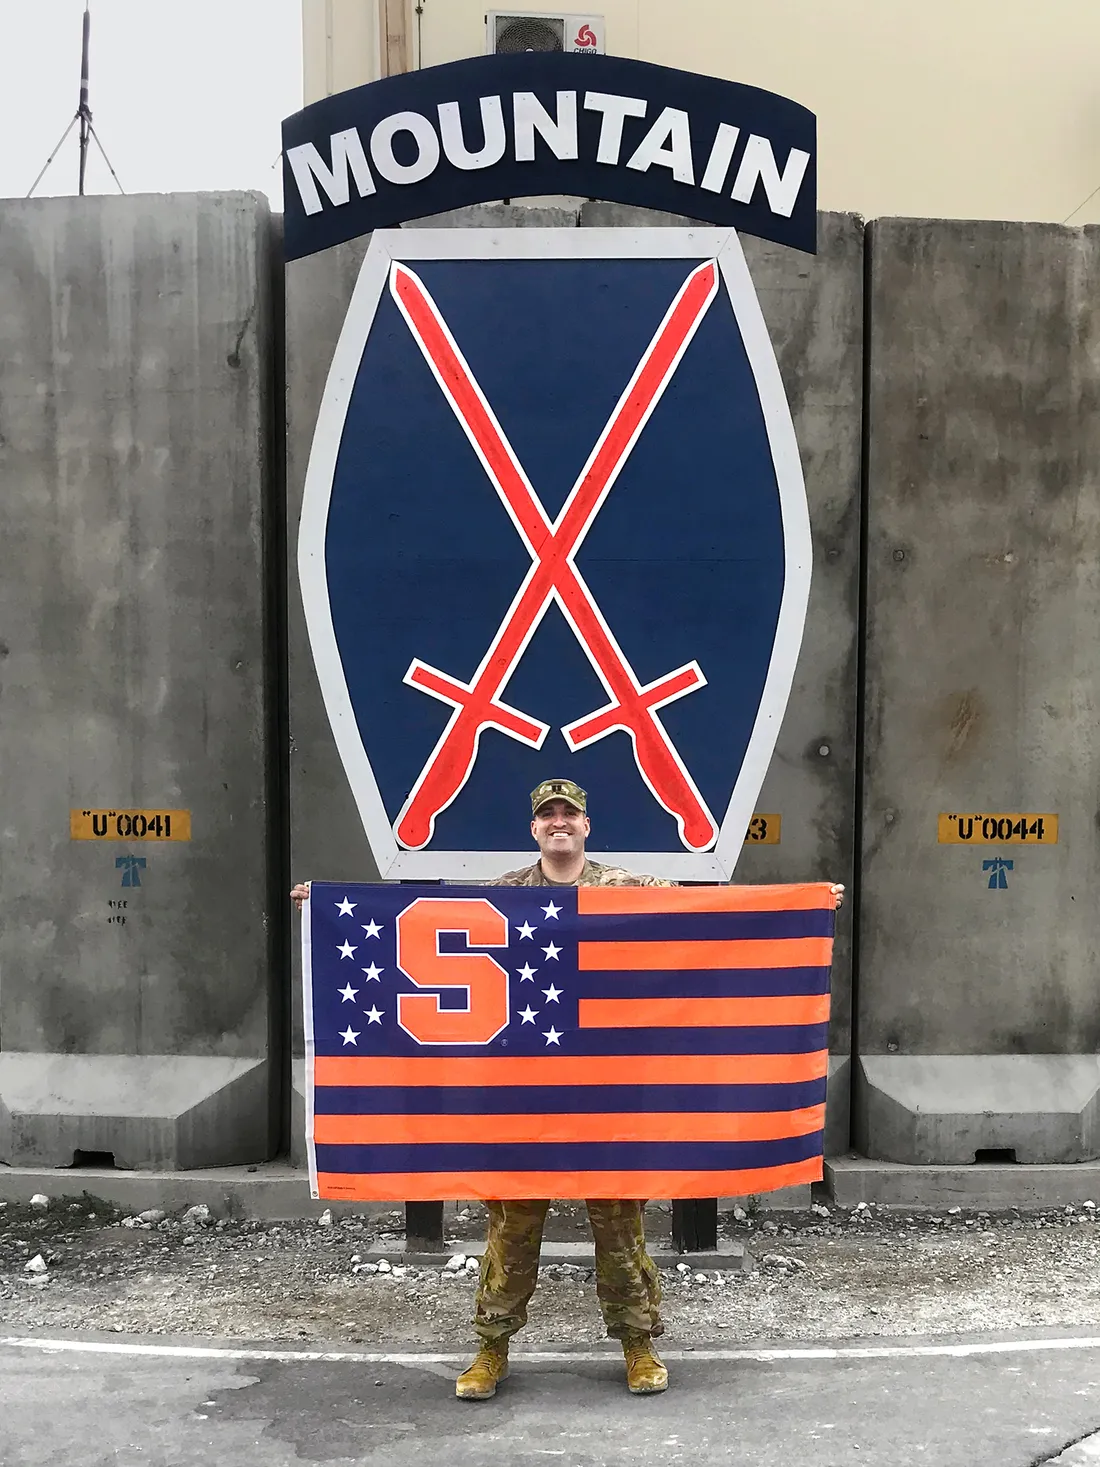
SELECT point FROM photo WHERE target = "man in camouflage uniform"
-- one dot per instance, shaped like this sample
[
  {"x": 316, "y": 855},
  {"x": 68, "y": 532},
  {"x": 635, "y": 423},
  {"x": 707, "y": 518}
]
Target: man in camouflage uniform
[{"x": 627, "y": 1282}]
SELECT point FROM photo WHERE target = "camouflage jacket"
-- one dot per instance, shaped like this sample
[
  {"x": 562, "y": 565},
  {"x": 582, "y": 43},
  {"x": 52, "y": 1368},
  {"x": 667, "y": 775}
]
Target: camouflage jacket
[{"x": 594, "y": 874}]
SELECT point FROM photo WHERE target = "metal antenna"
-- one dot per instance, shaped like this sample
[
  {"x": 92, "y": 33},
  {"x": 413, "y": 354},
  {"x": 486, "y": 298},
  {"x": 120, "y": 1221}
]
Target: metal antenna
[
  {"x": 84, "y": 111},
  {"x": 83, "y": 116}
]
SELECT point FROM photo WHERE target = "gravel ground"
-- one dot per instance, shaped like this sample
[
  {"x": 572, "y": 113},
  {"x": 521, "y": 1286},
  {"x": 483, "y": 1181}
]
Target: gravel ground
[{"x": 824, "y": 1274}]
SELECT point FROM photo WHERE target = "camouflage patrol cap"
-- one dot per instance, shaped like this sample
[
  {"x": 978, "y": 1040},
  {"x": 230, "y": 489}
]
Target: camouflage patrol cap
[{"x": 558, "y": 789}]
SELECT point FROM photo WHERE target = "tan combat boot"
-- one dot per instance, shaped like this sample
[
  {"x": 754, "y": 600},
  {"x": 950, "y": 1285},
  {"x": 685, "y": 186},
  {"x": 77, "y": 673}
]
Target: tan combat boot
[
  {"x": 645, "y": 1374},
  {"x": 479, "y": 1381}
]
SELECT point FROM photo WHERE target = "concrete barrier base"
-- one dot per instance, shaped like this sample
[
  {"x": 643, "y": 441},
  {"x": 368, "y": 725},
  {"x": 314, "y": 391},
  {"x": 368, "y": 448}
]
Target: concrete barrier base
[
  {"x": 298, "y": 1154},
  {"x": 953, "y": 1110},
  {"x": 838, "y": 1105},
  {"x": 269, "y": 1191},
  {"x": 989, "y": 1188},
  {"x": 787, "y": 1199},
  {"x": 167, "y": 1111}
]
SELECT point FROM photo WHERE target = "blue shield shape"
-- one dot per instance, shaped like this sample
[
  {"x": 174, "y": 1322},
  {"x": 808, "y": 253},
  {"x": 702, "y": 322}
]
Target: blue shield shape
[{"x": 554, "y": 524}]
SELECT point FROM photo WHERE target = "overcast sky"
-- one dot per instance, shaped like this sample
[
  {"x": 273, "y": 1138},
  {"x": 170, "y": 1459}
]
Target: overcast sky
[{"x": 185, "y": 94}]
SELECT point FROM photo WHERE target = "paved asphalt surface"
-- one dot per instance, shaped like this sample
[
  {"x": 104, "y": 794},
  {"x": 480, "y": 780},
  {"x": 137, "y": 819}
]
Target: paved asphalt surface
[{"x": 212, "y": 1404}]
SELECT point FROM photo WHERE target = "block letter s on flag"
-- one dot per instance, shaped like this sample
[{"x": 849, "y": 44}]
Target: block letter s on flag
[{"x": 484, "y": 980}]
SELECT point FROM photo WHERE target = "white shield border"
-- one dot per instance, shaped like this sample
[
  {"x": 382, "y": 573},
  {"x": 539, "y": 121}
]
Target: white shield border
[{"x": 410, "y": 245}]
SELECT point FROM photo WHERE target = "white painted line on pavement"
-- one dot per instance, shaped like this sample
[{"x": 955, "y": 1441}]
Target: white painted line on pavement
[
  {"x": 1081, "y": 1454},
  {"x": 543, "y": 1357}
]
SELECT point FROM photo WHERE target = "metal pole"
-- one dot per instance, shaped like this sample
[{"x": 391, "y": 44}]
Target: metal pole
[
  {"x": 695, "y": 1225},
  {"x": 424, "y": 1227},
  {"x": 53, "y": 155},
  {"x": 84, "y": 111},
  {"x": 83, "y": 116},
  {"x": 103, "y": 150}
]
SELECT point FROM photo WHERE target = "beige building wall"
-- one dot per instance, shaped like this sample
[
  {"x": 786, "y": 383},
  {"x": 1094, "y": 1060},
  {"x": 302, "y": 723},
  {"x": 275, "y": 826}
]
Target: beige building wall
[{"x": 979, "y": 109}]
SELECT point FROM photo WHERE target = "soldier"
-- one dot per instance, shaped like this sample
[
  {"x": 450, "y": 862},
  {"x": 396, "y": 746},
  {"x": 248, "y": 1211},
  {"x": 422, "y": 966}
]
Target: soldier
[{"x": 627, "y": 1281}]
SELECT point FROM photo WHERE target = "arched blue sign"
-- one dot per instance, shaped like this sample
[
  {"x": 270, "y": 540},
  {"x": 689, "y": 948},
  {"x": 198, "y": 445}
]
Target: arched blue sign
[{"x": 505, "y": 127}]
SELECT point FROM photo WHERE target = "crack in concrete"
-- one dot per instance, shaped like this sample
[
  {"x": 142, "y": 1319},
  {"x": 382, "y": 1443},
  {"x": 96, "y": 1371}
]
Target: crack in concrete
[{"x": 234, "y": 357}]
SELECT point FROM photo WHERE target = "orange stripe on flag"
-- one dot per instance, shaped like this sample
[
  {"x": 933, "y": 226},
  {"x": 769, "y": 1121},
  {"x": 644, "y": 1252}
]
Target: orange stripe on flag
[
  {"x": 615, "y": 1069},
  {"x": 407, "y": 1130},
  {"x": 441, "y": 1186},
  {"x": 779, "y": 952},
  {"x": 619, "y": 900},
  {"x": 701, "y": 1013}
]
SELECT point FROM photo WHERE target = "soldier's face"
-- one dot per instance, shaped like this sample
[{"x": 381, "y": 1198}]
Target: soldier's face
[{"x": 560, "y": 829}]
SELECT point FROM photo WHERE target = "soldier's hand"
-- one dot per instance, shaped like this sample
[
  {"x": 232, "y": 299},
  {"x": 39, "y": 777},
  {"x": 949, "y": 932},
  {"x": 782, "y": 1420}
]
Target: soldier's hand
[
  {"x": 299, "y": 894},
  {"x": 838, "y": 892}
]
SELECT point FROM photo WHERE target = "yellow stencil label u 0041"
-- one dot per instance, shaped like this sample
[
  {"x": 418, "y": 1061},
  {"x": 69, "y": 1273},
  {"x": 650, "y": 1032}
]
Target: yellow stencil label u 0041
[{"x": 143, "y": 825}]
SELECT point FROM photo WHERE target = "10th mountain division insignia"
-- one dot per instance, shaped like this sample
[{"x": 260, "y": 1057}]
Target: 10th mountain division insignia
[{"x": 554, "y": 520}]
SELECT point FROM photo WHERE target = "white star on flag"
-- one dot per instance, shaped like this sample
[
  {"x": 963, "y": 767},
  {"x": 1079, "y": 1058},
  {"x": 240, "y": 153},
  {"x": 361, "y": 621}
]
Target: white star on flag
[
  {"x": 528, "y": 1014},
  {"x": 552, "y": 994},
  {"x": 347, "y": 995},
  {"x": 526, "y": 973},
  {"x": 346, "y": 950},
  {"x": 345, "y": 908},
  {"x": 551, "y": 1036},
  {"x": 372, "y": 973},
  {"x": 552, "y": 951},
  {"x": 372, "y": 928},
  {"x": 350, "y": 1035},
  {"x": 551, "y": 910},
  {"x": 526, "y": 930},
  {"x": 374, "y": 1016}
]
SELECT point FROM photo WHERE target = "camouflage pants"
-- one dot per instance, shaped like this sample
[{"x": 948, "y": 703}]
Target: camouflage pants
[{"x": 627, "y": 1283}]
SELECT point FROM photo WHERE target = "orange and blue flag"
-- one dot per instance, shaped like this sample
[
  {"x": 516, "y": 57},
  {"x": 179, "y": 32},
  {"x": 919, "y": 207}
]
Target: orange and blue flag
[{"x": 616, "y": 1041}]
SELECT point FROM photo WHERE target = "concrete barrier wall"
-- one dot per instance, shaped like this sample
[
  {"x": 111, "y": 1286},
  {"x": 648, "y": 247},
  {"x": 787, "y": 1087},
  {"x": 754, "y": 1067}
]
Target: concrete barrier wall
[
  {"x": 135, "y": 450},
  {"x": 137, "y": 439},
  {"x": 814, "y": 311},
  {"x": 979, "y": 1022}
]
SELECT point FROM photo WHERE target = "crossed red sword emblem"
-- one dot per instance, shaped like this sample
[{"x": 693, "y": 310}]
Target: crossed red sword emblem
[{"x": 553, "y": 575}]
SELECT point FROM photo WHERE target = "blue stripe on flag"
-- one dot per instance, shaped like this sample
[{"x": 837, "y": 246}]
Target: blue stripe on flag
[
  {"x": 701, "y": 926},
  {"x": 427, "y": 1100},
  {"x": 706, "y": 983},
  {"x": 570, "y": 1156},
  {"x": 734, "y": 1040},
  {"x": 772, "y": 1039}
]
